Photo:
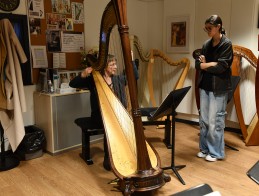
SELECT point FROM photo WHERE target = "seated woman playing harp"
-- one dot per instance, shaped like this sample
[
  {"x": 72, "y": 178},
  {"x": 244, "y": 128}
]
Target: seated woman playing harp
[{"x": 116, "y": 83}]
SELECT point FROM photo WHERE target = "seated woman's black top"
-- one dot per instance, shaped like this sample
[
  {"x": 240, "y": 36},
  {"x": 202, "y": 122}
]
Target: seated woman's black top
[
  {"x": 88, "y": 83},
  {"x": 118, "y": 82}
]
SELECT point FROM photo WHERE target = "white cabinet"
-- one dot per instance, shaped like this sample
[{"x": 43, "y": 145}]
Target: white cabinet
[{"x": 55, "y": 115}]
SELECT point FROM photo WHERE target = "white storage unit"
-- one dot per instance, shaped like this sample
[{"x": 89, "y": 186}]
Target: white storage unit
[{"x": 55, "y": 115}]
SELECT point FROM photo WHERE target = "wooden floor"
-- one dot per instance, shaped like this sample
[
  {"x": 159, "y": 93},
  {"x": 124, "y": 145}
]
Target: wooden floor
[{"x": 67, "y": 173}]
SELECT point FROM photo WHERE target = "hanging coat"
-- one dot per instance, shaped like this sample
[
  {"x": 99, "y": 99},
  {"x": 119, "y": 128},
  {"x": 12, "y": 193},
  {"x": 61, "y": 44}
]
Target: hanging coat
[{"x": 13, "y": 93}]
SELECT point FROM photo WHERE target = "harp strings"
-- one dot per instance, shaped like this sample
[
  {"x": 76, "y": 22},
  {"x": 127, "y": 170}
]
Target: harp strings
[
  {"x": 116, "y": 49},
  {"x": 166, "y": 74},
  {"x": 123, "y": 115}
]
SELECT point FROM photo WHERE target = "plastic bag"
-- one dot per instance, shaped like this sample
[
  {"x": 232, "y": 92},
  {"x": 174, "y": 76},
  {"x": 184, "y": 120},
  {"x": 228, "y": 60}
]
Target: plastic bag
[{"x": 33, "y": 140}]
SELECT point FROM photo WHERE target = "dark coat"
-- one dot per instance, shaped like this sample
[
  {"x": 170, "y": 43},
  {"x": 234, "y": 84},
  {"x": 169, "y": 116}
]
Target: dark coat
[{"x": 216, "y": 78}]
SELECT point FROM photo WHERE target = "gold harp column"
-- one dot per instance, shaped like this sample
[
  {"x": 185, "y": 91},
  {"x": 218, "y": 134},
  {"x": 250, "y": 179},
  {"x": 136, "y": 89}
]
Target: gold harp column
[{"x": 142, "y": 154}]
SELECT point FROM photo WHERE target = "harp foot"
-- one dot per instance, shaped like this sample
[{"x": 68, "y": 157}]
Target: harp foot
[
  {"x": 146, "y": 180},
  {"x": 166, "y": 177}
]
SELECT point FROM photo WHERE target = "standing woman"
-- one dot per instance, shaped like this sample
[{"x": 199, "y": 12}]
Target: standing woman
[{"x": 214, "y": 82}]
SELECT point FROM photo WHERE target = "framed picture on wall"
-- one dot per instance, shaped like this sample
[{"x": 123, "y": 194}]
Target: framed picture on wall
[
  {"x": 177, "y": 34},
  {"x": 63, "y": 78}
]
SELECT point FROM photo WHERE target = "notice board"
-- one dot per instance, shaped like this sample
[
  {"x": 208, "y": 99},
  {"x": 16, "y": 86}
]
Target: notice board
[{"x": 60, "y": 18}]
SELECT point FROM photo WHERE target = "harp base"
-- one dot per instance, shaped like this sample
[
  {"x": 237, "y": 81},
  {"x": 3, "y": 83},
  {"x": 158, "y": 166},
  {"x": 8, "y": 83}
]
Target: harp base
[{"x": 139, "y": 182}]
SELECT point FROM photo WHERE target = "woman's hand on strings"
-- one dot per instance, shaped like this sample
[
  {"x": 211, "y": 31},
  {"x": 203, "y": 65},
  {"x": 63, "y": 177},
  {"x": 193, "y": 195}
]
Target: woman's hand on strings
[{"x": 86, "y": 72}]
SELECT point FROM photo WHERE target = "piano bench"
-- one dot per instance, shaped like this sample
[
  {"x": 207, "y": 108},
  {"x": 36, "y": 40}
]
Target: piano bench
[{"x": 88, "y": 129}]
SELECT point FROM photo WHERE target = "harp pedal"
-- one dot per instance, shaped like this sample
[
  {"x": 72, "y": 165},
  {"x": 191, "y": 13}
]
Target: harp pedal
[{"x": 115, "y": 181}]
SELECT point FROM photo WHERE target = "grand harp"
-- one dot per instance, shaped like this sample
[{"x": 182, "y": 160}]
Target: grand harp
[{"x": 133, "y": 160}]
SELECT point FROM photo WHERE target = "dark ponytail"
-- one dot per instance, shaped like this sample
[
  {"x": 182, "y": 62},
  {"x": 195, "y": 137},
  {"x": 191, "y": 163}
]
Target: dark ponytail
[{"x": 223, "y": 31}]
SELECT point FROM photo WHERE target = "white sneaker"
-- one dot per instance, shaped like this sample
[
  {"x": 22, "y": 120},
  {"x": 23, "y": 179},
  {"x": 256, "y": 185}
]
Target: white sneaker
[
  {"x": 201, "y": 154},
  {"x": 210, "y": 158}
]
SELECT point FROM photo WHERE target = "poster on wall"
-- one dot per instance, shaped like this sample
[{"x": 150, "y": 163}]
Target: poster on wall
[
  {"x": 177, "y": 38},
  {"x": 36, "y": 8},
  {"x": 61, "y": 6},
  {"x": 53, "y": 41},
  {"x": 72, "y": 41},
  {"x": 56, "y": 21},
  {"x": 39, "y": 57},
  {"x": 77, "y": 12},
  {"x": 35, "y": 26},
  {"x": 69, "y": 24}
]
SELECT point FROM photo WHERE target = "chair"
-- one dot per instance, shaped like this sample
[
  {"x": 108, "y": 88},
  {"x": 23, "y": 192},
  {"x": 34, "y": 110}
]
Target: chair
[
  {"x": 145, "y": 112},
  {"x": 88, "y": 129}
]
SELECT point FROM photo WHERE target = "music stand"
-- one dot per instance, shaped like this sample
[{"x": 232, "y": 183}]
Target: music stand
[{"x": 168, "y": 107}]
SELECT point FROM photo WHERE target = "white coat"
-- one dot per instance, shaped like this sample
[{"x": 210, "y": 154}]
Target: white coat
[{"x": 11, "y": 117}]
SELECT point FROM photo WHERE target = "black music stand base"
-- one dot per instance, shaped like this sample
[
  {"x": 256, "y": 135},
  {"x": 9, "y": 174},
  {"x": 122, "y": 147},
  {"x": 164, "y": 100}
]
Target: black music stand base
[
  {"x": 175, "y": 168},
  {"x": 231, "y": 147}
]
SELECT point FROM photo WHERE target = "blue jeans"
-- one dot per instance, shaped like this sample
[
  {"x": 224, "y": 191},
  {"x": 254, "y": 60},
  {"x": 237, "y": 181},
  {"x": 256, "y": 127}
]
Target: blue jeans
[{"x": 212, "y": 123}]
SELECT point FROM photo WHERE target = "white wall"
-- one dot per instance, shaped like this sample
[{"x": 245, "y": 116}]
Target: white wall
[
  {"x": 147, "y": 21},
  {"x": 182, "y": 8},
  {"x": 93, "y": 13},
  {"x": 240, "y": 21},
  {"x": 155, "y": 25},
  {"x": 137, "y": 20}
]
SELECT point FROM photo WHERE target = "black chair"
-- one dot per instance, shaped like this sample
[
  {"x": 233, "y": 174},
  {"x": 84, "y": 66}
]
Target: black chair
[
  {"x": 199, "y": 190},
  {"x": 146, "y": 111},
  {"x": 89, "y": 128}
]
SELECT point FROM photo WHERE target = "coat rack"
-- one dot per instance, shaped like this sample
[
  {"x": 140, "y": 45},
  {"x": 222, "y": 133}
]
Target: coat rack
[{"x": 7, "y": 160}]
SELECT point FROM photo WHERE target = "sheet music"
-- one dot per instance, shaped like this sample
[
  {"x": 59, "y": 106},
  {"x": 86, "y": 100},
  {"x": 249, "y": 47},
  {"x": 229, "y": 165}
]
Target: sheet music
[
  {"x": 39, "y": 56},
  {"x": 72, "y": 41},
  {"x": 59, "y": 60}
]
